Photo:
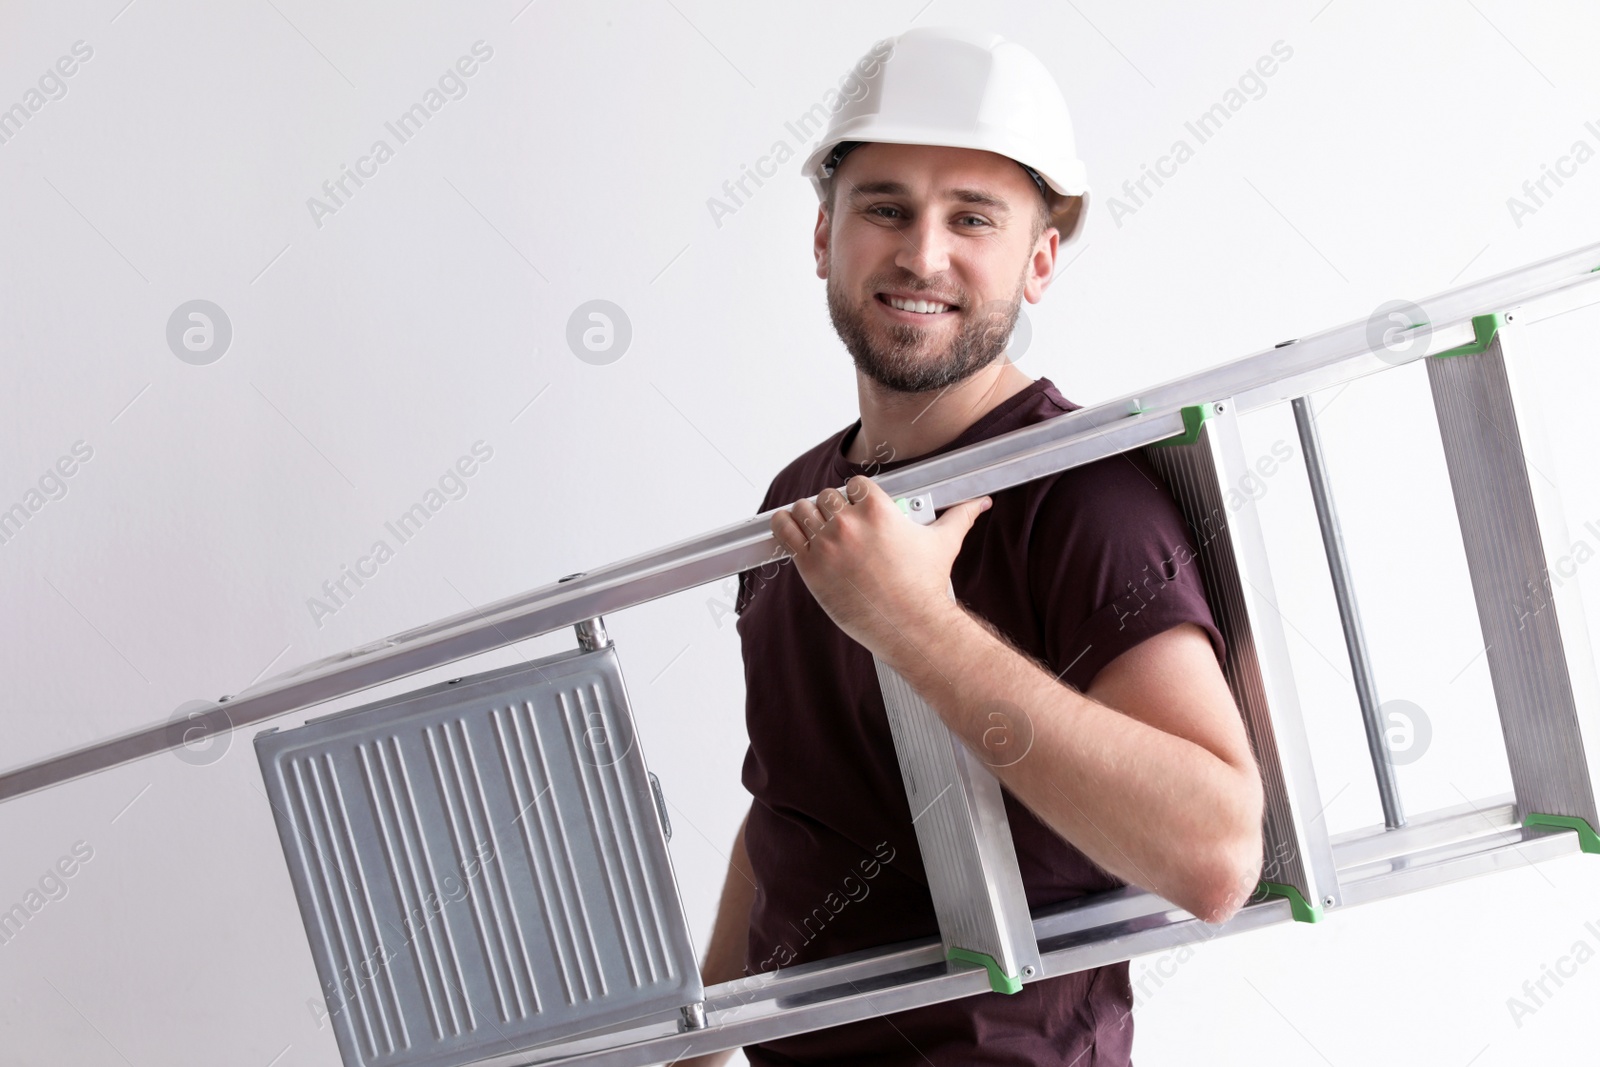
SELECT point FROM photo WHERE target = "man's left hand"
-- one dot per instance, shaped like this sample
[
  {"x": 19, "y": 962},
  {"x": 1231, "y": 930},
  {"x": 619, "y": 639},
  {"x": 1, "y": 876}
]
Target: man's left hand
[{"x": 879, "y": 575}]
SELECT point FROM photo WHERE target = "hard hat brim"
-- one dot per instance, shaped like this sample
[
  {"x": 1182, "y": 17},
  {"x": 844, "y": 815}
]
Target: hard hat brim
[{"x": 1065, "y": 177}]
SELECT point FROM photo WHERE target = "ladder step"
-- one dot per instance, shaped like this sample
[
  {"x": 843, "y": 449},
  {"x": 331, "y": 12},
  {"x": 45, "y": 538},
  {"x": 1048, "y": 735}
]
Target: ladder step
[
  {"x": 1534, "y": 630},
  {"x": 963, "y": 834}
]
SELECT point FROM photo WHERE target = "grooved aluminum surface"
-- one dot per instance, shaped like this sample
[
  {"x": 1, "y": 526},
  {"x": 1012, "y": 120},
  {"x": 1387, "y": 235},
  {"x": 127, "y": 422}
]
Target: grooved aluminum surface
[
  {"x": 481, "y": 866},
  {"x": 960, "y": 818},
  {"x": 1512, "y": 528},
  {"x": 1239, "y": 589}
]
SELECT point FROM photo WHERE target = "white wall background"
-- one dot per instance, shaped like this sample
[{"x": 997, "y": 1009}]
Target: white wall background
[{"x": 430, "y": 312}]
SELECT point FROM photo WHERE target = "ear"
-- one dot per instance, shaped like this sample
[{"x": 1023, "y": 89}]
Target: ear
[
  {"x": 1042, "y": 265},
  {"x": 819, "y": 241}
]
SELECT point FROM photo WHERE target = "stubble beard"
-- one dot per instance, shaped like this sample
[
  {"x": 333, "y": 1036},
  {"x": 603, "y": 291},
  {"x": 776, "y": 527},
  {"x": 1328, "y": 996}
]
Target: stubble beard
[{"x": 900, "y": 356}]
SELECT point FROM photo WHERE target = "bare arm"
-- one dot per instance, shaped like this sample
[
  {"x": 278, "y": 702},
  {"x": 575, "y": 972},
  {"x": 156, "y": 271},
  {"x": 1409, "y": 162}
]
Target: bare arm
[
  {"x": 729, "y": 935},
  {"x": 1149, "y": 773}
]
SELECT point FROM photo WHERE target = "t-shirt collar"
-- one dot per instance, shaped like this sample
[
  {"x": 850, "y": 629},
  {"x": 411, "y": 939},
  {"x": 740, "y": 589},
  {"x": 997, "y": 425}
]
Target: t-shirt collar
[{"x": 845, "y": 469}]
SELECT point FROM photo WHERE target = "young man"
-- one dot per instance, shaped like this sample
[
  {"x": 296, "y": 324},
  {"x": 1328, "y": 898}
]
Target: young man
[{"x": 1079, "y": 659}]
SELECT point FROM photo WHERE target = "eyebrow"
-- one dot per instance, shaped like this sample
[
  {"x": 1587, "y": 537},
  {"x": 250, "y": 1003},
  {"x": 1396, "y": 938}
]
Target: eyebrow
[{"x": 965, "y": 196}]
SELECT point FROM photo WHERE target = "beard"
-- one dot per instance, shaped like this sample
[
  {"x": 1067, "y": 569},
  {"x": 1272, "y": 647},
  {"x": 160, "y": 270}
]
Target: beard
[{"x": 907, "y": 358}]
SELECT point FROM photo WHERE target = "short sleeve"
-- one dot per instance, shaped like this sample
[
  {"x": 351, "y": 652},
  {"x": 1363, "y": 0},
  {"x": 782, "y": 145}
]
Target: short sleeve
[
  {"x": 1112, "y": 562},
  {"x": 741, "y": 599}
]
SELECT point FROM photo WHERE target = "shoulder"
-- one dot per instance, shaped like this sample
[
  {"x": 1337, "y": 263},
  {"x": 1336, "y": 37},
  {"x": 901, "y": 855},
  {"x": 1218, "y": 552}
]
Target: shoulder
[
  {"x": 1121, "y": 496},
  {"x": 1112, "y": 562},
  {"x": 1039, "y": 401}
]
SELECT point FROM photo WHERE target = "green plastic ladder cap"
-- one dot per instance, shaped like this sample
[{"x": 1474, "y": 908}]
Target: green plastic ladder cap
[
  {"x": 1484, "y": 327},
  {"x": 1302, "y": 910},
  {"x": 999, "y": 981},
  {"x": 1588, "y": 840},
  {"x": 1194, "y": 416}
]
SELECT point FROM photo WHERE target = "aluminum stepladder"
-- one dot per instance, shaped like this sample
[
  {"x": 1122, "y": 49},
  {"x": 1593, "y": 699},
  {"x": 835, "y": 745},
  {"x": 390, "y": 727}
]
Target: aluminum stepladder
[{"x": 1539, "y": 660}]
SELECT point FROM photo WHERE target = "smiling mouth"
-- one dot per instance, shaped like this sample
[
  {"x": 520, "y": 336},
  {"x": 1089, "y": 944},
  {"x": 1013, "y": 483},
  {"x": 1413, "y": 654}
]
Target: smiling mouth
[{"x": 914, "y": 307}]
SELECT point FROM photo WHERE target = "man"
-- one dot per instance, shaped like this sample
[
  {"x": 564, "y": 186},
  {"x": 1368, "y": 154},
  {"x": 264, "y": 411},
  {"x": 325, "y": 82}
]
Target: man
[{"x": 1075, "y": 628}]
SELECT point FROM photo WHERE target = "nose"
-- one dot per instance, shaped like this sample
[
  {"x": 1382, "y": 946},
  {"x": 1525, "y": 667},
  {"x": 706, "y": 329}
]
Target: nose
[{"x": 926, "y": 247}]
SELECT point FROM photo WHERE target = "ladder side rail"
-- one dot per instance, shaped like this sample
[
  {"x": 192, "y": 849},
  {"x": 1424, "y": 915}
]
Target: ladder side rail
[
  {"x": 1023, "y": 455},
  {"x": 910, "y": 975},
  {"x": 776, "y": 1016}
]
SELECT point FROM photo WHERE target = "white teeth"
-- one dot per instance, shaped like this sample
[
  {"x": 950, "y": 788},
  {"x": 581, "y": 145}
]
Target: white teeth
[{"x": 921, "y": 306}]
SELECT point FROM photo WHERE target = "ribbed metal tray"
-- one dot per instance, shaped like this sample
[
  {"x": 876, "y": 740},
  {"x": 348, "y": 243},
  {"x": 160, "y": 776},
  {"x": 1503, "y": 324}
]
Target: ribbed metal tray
[{"x": 482, "y": 865}]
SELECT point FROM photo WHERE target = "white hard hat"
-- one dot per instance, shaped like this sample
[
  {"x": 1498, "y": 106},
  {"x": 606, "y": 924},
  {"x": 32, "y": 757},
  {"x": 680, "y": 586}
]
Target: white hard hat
[{"x": 963, "y": 89}]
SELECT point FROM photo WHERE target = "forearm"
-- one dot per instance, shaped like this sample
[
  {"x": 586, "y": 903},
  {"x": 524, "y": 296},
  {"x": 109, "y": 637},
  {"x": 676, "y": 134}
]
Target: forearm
[
  {"x": 730, "y": 935},
  {"x": 725, "y": 955},
  {"x": 1149, "y": 807}
]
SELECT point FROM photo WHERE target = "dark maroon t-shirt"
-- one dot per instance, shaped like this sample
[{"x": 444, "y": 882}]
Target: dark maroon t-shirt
[{"x": 1075, "y": 569}]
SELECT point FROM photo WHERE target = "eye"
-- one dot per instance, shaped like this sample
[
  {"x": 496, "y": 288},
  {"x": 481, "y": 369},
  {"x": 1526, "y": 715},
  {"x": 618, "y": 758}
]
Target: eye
[
  {"x": 877, "y": 209},
  {"x": 979, "y": 219}
]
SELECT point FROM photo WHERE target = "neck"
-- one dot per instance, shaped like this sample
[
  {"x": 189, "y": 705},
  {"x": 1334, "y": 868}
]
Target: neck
[{"x": 897, "y": 426}]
